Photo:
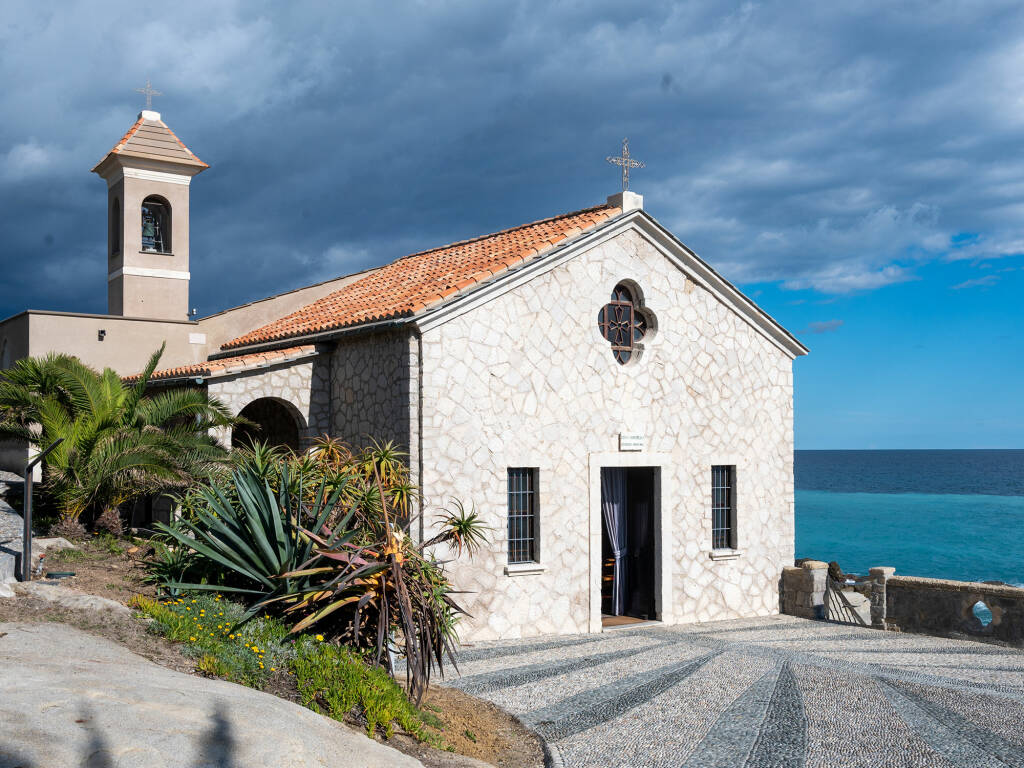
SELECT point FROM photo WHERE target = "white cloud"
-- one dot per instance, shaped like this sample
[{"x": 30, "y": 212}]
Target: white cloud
[
  {"x": 986, "y": 281},
  {"x": 31, "y": 160},
  {"x": 823, "y": 326}
]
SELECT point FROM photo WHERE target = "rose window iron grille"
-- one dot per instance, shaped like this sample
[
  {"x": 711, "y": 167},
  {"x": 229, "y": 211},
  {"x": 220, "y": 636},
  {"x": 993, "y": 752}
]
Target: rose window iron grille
[{"x": 622, "y": 324}]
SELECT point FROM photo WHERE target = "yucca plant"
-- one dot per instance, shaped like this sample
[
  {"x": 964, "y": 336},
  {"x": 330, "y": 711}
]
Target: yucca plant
[{"x": 404, "y": 604}]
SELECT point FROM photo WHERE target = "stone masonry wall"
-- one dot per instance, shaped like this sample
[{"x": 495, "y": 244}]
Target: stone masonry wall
[
  {"x": 938, "y": 606},
  {"x": 373, "y": 378},
  {"x": 526, "y": 380}
]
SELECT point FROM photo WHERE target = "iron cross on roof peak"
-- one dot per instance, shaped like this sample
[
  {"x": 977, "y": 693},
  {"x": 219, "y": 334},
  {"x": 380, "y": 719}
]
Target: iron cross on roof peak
[
  {"x": 626, "y": 162},
  {"x": 150, "y": 92}
]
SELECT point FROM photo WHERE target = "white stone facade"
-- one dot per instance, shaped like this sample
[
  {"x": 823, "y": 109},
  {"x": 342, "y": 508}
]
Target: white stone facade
[{"x": 527, "y": 380}]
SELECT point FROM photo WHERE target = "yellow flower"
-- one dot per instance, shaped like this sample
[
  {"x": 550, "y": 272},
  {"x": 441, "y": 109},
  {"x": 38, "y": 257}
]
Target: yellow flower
[
  {"x": 273, "y": 669},
  {"x": 231, "y": 637},
  {"x": 319, "y": 638},
  {"x": 192, "y": 639}
]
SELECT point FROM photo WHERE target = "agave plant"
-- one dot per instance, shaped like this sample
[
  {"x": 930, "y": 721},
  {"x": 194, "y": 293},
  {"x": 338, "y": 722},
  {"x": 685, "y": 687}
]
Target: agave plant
[
  {"x": 259, "y": 536},
  {"x": 322, "y": 540}
]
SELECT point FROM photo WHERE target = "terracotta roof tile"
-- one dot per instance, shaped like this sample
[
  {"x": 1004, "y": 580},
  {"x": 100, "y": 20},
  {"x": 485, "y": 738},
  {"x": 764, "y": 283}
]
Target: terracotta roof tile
[
  {"x": 229, "y": 364},
  {"x": 414, "y": 283},
  {"x": 153, "y": 139}
]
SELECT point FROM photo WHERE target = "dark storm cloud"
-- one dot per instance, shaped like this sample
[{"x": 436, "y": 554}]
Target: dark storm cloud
[{"x": 826, "y": 148}]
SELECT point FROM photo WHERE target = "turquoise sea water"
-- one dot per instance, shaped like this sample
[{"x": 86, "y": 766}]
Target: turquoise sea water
[
  {"x": 941, "y": 514},
  {"x": 942, "y": 536}
]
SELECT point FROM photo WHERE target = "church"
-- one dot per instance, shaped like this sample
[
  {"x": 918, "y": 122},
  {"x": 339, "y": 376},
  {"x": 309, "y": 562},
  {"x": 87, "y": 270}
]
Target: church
[{"x": 617, "y": 411}]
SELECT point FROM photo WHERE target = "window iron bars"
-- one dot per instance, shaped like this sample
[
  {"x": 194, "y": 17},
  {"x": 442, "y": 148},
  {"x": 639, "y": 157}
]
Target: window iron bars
[
  {"x": 522, "y": 516},
  {"x": 723, "y": 512}
]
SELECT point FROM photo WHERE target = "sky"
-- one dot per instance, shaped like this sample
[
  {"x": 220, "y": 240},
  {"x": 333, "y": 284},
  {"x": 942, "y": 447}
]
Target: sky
[{"x": 855, "y": 168}]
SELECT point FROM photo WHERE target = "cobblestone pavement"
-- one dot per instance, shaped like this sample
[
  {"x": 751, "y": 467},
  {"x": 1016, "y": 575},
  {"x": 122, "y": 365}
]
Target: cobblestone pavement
[{"x": 777, "y": 692}]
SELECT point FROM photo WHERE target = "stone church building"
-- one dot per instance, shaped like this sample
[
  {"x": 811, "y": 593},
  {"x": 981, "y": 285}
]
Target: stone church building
[{"x": 620, "y": 414}]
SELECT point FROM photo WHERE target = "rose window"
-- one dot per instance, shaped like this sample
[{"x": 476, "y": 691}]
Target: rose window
[{"x": 624, "y": 323}]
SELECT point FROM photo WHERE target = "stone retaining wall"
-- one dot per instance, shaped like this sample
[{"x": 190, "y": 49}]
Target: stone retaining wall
[
  {"x": 937, "y": 606},
  {"x": 909, "y": 604}
]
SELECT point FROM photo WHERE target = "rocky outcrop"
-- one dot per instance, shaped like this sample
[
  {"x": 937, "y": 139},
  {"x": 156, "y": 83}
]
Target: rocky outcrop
[{"x": 73, "y": 699}]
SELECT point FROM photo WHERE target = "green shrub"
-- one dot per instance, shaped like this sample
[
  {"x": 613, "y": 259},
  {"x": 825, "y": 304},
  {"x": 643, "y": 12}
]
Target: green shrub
[
  {"x": 255, "y": 536},
  {"x": 335, "y": 681},
  {"x": 208, "y": 625},
  {"x": 331, "y": 680},
  {"x": 321, "y": 540}
]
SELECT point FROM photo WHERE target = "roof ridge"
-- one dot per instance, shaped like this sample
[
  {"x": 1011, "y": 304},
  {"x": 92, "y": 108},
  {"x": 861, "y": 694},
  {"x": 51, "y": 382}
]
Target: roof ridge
[
  {"x": 131, "y": 132},
  {"x": 182, "y": 143},
  {"x": 409, "y": 284},
  {"x": 457, "y": 243}
]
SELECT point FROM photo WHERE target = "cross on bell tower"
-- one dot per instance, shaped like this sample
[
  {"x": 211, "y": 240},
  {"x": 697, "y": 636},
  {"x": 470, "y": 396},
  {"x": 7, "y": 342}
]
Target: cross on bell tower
[
  {"x": 626, "y": 162},
  {"x": 149, "y": 92}
]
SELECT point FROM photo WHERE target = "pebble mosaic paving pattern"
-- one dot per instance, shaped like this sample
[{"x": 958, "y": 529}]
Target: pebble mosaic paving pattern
[{"x": 776, "y": 692}]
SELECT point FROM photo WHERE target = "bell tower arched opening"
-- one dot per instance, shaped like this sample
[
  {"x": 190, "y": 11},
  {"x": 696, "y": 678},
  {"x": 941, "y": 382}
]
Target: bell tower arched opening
[{"x": 156, "y": 225}]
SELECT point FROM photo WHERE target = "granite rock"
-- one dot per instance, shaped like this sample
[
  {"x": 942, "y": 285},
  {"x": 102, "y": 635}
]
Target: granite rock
[{"x": 82, "y": 700}]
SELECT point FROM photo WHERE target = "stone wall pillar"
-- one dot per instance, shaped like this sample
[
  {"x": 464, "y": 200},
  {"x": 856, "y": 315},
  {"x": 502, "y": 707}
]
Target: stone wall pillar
[
  {"x": 803, "y": 589},
  {"x": 879, "y": 576}
]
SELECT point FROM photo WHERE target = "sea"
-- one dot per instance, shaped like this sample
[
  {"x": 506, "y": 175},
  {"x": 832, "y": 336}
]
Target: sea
[{"x": 946, "y": 514}]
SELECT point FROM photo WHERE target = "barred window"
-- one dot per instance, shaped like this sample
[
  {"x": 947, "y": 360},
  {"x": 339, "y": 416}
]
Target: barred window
[
  {"x": 522, "y": 515},
  {"x": 723, "y": 507}
]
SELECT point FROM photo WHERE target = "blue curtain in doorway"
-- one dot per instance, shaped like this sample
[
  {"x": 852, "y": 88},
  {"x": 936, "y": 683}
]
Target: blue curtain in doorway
[{"x": 613, "y": 507}]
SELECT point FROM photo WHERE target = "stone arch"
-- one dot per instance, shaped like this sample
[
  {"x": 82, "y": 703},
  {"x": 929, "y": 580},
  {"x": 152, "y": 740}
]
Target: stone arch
[{"x": 276, "y": 421}]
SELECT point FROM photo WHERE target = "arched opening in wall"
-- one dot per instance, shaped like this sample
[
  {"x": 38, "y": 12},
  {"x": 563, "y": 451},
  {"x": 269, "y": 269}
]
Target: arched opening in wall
[
  {"x": 5, "y": 356},
  {"x": 982, "y": 613},
  {"x": 156, "y": 225},
  {"x": 274, "y": 422}
]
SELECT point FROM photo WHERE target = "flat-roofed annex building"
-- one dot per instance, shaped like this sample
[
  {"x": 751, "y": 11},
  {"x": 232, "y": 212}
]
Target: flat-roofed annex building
[{"x": 619, "y": 413}]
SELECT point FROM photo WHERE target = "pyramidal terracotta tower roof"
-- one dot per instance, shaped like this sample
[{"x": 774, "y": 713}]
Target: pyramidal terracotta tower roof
[{"x": 150, "y": 139}]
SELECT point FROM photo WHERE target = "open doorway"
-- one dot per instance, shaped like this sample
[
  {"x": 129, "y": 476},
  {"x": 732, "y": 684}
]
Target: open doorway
[{"x": 629, "y": 546}]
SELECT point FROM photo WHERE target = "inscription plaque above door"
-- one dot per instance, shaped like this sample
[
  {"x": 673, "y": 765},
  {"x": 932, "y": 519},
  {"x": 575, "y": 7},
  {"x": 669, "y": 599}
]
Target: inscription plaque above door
[{"x": 631, "y": 441}]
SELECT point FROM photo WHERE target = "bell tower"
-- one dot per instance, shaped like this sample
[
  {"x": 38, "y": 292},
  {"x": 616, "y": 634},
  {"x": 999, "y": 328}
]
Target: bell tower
[{"x": 148, "y": 174}]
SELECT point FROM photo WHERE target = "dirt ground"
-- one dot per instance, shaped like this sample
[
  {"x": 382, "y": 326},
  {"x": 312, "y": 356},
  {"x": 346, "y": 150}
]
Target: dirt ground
[
  {"x": 479, "y": 729},
  {"x": 475, "y": 728}
]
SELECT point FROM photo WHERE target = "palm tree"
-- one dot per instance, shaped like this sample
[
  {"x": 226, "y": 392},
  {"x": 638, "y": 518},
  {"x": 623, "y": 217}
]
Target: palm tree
[{"x": 120, "y": 443}]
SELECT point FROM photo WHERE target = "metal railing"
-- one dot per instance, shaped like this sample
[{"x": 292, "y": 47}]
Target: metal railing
[
  {"x": 839, "y": 607},
  {"x": 25, "y": 573}
]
